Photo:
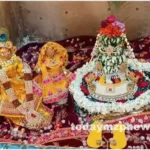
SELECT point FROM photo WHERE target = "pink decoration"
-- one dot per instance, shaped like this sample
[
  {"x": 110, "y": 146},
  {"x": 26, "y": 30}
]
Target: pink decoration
[
  {"x": 50, "y": 93},
  {"x": 46, "y": 81},
  {"x": 59, "y": 90},
  {"x": 111, "y": 19},
  {"x": 88, "y": 119}
]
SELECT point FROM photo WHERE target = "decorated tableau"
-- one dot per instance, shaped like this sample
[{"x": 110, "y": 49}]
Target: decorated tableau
[
  {"x": 112, "y": 75},
  {"x": 47, "y": 89}
]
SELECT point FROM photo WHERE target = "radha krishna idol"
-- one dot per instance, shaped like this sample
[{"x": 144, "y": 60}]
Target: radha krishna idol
[
  {"x": 53, "y": 80},
  {"x": 17, "y": 101}
]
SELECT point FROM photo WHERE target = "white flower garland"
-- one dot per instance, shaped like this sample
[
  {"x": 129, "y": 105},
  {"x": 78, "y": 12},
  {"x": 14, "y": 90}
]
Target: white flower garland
[{"x": 106, "y": 108}]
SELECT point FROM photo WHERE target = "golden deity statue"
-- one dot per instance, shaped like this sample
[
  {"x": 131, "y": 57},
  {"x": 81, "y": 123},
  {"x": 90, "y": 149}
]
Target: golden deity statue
[
  {"x": 17, "y": 101},
  {"x": 53, "y": 80}
]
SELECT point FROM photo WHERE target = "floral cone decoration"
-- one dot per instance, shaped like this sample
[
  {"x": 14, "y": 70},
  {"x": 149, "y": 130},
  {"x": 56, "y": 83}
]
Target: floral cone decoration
[
  {"x": 114, "y": 81},
  {"x": 112, "y": 32}
]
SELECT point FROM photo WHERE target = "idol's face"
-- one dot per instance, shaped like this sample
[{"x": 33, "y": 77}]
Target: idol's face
[
  {"x": 5, "y": 53},
  {"x": 50, "y": 53}
]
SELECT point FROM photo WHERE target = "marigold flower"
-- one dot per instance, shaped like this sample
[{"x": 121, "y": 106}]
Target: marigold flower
[{"x": 110, "y": 31}]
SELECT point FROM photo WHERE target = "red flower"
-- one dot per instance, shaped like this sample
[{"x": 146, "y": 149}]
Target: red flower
[
  {"x": 111, "y": 19},
  {"x": 121, "y": 101},
  {"x": 84, "y": 90},
  {"x": 142, "y": 84},
  {"x": 138, "y": 93},
  {"x": 139, "y": 74},
  {"x": 104, "y": 24},
  {"x": 111, "y": 31}
]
